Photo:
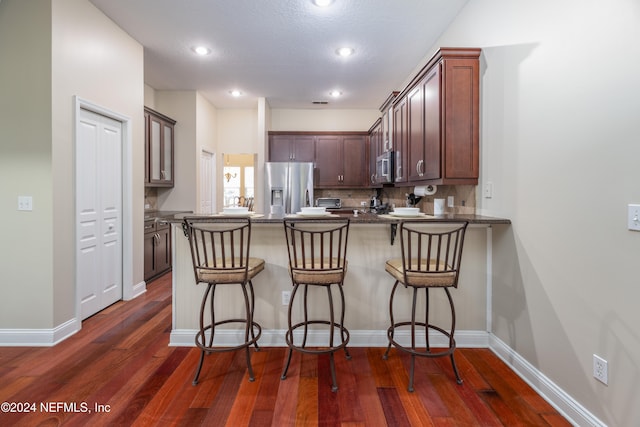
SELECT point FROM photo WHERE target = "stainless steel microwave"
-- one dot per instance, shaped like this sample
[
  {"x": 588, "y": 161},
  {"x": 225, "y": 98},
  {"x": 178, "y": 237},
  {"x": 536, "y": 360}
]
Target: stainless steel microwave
[{"x": 384, "y": 168}]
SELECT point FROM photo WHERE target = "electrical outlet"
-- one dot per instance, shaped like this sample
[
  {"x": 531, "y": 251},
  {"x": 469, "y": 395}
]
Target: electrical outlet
[
  {"x": 450, "y": 202},
  {"x": 600, "y": 369},
  {"x": 633, "y": 217},
  {"x": 286, "y": 296}
]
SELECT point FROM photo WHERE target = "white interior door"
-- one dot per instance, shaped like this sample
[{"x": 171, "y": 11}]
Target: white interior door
[
  {"x": 98, "y": 212},
  {"x": 207, "y": 184}
]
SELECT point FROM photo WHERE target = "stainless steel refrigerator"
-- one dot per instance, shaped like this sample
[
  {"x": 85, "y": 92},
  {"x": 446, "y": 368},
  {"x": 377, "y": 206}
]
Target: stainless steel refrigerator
[{"x": 287, "y": 187}]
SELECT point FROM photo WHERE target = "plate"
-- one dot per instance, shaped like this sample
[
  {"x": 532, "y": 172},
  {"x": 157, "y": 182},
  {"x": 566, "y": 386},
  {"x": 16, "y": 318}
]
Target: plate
[
  {"x": 407, "y": 215},
  {"x": 313, "y": 214},
  {"x": 237, "y": 213}
]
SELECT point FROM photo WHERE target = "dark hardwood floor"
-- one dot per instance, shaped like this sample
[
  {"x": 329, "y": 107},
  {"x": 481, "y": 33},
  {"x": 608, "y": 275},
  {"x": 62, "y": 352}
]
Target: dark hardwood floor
[{"x": 119, "y": 371}]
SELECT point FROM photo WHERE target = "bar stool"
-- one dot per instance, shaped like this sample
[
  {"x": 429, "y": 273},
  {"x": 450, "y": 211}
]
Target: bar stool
[
  {"x": 431, "y": 254},
  {"x": 220, "y": 255},
  {"x": 317, "y": 258}
]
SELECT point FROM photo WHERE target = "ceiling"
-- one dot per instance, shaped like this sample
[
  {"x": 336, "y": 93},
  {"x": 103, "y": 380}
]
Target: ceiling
[{"x": 283, "y": 50}]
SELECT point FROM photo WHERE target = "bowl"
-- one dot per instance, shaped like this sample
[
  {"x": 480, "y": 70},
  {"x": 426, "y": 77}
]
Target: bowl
[
  {"x": 236, "y": 210},
  {"x": 407, "y": 211},
  {"x": 312, "y": 210}
]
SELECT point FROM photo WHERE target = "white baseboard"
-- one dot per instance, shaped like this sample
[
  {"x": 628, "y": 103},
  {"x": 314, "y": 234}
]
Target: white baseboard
[
  {"x": 359, "y": 338},
  {"x": 565, "y": 404},
  {"x": 137, "y": 290},
  {"x": 38, "y": 337}
]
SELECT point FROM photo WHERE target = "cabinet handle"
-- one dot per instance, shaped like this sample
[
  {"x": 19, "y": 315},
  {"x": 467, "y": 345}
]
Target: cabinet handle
[
  {"x": 419, "y": 168},
  {"x": 373, "y": 178}
]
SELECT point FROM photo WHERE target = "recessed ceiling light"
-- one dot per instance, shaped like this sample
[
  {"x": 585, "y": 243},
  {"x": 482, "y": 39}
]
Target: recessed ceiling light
[
  {"x": 335, "y": 93},
  {"x": 235, "y": 93},
  {"x": 322, "y": 3},
  {"x": 201, "y": 50},
  {"x": 345, "y": 51}
]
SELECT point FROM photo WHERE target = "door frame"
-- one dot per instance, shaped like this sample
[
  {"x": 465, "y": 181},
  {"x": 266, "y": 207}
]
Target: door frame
[
  {"x": 212, "y": 157},
  {"x": 129, "y": 290}
]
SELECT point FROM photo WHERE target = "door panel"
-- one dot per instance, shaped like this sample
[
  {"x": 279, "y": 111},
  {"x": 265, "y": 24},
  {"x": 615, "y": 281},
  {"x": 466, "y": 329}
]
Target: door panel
[{"x": 99, "y": 212}]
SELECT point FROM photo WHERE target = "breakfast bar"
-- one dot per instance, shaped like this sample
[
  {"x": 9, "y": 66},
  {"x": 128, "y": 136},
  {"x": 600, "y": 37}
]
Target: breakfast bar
[{"x": 366, "y": 287}]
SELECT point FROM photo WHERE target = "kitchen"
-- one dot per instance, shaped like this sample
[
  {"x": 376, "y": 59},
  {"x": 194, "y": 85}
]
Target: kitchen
[{"x": 560, "y": 295}]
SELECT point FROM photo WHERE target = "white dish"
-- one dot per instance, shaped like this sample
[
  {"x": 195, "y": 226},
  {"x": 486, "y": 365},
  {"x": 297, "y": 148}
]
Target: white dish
[
  {"x": 407, "y": 214},
  {"x": 313, "y": 213},
  {"x": 236, "y": 210},
  {"x": 237, "y": 213},
  {"x": 310, "y": 210},
  {"x": 406, "y": 211}
]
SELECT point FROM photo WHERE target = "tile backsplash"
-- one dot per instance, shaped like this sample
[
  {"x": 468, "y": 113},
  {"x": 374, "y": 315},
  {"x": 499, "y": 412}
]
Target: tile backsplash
[{"x": 464, "y": 197}]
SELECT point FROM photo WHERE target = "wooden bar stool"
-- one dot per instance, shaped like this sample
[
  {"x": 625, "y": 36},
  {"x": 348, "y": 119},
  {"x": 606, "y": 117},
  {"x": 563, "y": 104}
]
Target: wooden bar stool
[
  {"x": 220, "y": 254},
  {"x": 431, "y": 254},
  {"x": 317, "y": 258}
]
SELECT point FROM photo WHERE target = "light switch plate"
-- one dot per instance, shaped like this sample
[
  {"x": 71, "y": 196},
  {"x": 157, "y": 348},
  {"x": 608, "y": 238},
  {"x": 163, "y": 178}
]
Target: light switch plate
[
  {"x": 450, "y": 201},
  {"x": 633, "y": 217},
  {"x": 25, "y": 203}
]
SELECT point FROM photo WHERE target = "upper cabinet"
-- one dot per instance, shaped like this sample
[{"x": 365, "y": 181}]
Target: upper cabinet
[
  {"x": 159, "y": 140},
  {"x": 291, "y": 148},
  {"x": 437, "y": 117},
  {"x": 386, "y": 124},
  {"x": 375, "y": 149},
  {"x": 341, "y": 161}
]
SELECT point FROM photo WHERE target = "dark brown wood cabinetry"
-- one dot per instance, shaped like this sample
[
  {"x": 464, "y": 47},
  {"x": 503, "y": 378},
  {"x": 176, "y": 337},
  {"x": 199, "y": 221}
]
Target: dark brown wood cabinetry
[
  {"x": 159, "y": 140},
  {"x": 400, "y": 144},
  {"x": 341, "y": 159},
  {"x": 437, "y": 117},
  {"x": 375, "y": 149},
  {"x": 157, "y": 248},
  {"x": 291, "y": 148}
]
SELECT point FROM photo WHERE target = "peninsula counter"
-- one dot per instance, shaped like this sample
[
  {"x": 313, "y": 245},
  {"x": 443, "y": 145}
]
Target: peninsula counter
[{"x": 367, "y": 285}]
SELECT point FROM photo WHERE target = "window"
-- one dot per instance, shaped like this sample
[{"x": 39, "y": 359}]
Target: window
[{"x": 239, "y": 177}]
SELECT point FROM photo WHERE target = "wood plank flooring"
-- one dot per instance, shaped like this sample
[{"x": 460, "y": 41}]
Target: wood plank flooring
[{"x": 119, "y": 371}]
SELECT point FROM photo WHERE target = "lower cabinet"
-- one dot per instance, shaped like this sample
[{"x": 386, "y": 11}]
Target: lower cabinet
[{"x": 157, "y": 249}]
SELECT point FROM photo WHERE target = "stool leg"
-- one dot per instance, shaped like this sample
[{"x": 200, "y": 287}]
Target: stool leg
[
  {"x": 195, "y": 379},
  {"x": 248, "y": 327},
  {"x": 253, "y": 306},
  {"x": 426, "y": 319},
  {"x": 288, "y": 336},
  {"x": 385, "y": 356},
  {"x": 200, "y": 337},
  {"x": 306, "y": 318},
  {"x": 342, "y": 328},
  {"x": 452, "y": 342},
  {"x": 413, "y": 338},
  {"x": 332, "y": 364}
]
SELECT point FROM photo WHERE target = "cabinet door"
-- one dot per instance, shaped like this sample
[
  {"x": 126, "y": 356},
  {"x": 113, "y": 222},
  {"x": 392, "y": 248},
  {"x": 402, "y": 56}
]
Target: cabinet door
[
  {"x": 167, "y": 154},
  {"x": 149, "y": 255},
  {"x": 328, "y": 161},
  {"x": 461, "y": 129},
  {"x": 303, "y": 148},
  {"x": 163, "y": 249},
  {"x": 400, "y": 139},
  {"x": 415, "y": 133},
  {"x": 432, "y": 120},
  {"x": 375, "y": 141},
  {"x": 280, "y": 148},
  {"x": 155, "y": 149},
  {"x": 354, "y": 164}
]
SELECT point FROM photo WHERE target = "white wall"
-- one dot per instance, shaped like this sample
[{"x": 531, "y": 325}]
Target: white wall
[
  {"x": 25, "y": 164},
  {"x": 323, "y": 119},
  {"x": 52, "y": 51},
  {"x": 559, "y": 126}
]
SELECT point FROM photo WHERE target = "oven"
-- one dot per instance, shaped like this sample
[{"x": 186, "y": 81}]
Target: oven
[{"x": 384, "y": 168}]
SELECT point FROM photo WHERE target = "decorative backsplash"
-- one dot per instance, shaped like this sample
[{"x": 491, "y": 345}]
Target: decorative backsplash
[{"x": 464, "y": 197}]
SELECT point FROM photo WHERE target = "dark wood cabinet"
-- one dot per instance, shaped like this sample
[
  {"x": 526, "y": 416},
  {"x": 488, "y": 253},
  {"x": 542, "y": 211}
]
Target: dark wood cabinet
[
  {"x": 157, "y": 248},
  {"x": 400, "y": 144},
  {"x": 159, "y": 143},
  {"x": 342, "y": 161},
  {"x": 291, "y": 148},
  {"x": 386, "y": 124},
  {"x": 437, "y": 117},
  {"x": 375, "y": 149}
]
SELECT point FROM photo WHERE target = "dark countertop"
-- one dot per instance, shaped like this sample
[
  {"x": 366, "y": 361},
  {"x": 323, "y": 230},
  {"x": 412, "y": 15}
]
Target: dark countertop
[
  {"x": 362, "y": 218},
  {"x": 168, "y": 216}
]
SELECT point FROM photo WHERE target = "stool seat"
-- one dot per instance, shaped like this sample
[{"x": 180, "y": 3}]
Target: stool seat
[
  {"x": 318, "y": 272},
  {"x": 224, "y": 272},
  {"x": 421, "y": 273}
]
